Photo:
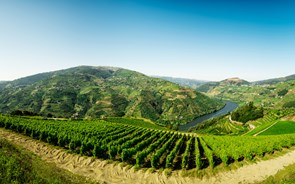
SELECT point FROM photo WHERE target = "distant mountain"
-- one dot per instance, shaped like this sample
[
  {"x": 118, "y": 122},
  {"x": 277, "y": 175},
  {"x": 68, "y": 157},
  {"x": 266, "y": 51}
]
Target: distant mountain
[
  {"x": 234, "y": 81},
  {"x": 91, "y": 92},
  {"x": 276, "y": 80},
  {"x": 278, "y": 93},
  {"x": 191, "y": 83},
  {"x": 227, "y": 82}
]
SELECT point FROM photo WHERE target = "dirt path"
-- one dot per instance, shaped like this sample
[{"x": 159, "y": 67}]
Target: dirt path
[{"x": 103, "y": 172}]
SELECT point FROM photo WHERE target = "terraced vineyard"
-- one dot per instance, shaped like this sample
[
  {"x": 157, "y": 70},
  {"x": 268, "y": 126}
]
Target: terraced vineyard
[
  {"x": 146, "y": 147},
  {"x": 272, "y": 117}
]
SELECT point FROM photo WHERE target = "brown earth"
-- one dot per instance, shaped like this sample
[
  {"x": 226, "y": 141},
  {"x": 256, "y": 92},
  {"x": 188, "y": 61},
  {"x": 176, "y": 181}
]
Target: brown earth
[{"x": 290, "y": 117}]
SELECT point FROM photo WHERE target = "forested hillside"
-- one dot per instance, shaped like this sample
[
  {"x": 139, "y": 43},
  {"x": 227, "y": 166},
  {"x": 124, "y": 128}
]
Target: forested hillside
[{"x": 98, "y": 92}]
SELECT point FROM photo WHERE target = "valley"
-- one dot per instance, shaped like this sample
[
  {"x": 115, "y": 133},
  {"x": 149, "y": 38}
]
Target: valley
[
  {"x": 229, "y": 107},
  {"x": 217, "y": 138},
  {"x": 147, "y": 92}
]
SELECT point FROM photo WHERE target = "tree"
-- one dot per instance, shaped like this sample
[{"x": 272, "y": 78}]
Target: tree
[{"x": 247, "y": 112}]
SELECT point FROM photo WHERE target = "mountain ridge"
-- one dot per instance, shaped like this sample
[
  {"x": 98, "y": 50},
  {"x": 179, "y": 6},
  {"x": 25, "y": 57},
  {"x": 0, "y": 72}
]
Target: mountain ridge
[
  {"x": 275, "y": 80},
  {"x": 236, "y": 81},
  {"x": 192, "y": 83},
  {"x": 98, "y": 92}
]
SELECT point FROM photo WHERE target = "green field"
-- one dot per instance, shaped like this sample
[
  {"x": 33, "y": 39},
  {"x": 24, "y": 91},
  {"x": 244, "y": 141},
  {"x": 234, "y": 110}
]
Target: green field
[
  {"x": 263, "y": 123},
  {"x": 146, "y": 147},
  {"x": 281, "y": 127}
]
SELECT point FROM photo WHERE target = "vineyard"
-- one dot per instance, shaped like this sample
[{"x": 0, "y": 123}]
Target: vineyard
[{"x": 146, "y": 147}]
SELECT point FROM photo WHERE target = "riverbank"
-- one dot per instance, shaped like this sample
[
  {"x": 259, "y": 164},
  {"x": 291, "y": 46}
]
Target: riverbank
[{"x": 229, "y": 107}]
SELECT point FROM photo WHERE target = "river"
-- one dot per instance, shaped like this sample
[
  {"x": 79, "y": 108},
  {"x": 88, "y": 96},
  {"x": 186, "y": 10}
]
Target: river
[{"x": 229, "y": 107}]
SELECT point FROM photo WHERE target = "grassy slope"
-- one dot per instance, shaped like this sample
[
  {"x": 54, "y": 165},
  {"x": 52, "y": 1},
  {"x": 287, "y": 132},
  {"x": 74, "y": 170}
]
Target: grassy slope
[
  {"x": 263, "y": 123},
  {"x": 20, "y": 166},
  {"x": 269, "y": 119},
  {"x": 281, "y": 127}
]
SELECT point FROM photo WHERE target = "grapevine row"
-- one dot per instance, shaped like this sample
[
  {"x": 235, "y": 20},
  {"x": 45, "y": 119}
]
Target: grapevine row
[{"x": 146, "y": 147}]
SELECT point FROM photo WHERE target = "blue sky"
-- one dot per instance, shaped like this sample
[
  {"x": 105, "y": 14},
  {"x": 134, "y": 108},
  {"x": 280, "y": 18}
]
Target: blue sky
[{"x": 210, "y": 40}]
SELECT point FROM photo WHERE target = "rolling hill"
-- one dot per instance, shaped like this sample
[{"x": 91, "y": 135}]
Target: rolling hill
[{"x": 98, "y": 92}]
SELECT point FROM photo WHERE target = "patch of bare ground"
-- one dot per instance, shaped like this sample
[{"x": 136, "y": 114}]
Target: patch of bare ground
[
  {"x": 290, "y": 117},
  {"x": 105, "y": 172}
]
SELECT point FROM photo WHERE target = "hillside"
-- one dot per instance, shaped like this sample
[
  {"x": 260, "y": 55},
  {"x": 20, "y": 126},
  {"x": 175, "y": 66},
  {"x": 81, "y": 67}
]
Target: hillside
[
  {"x": 229, "y": 159},
  {"x": 276, "y": 80},
  {"x": 235, "y": 81},
  {"x": 98, "y": 92},
  {"x": 2, "y": 84},
  {"x": 276, "y": 93},
  {"x": 191, "y": 83}
]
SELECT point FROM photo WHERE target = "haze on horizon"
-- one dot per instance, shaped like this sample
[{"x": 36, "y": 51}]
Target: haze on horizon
[{"x": 253, "y": 40}]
